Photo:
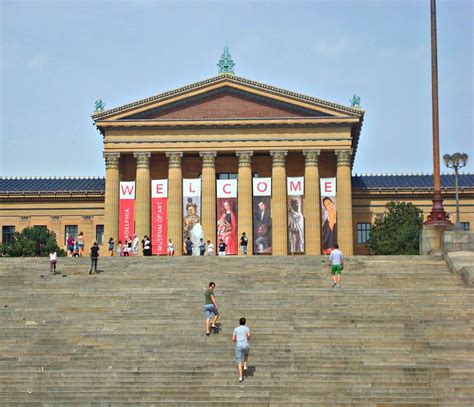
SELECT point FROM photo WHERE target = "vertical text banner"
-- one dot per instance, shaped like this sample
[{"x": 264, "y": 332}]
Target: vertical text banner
[
  {"x": 295, "y": 188},
  {"x": 159, "y": 215},
  {"x": 328, "y": 214},
  {"x": 127, "y": 211},
  {"x": 262, "y": 218},
  {"x": 192, "y": 212},
  {"x": 227, "y": 214}
]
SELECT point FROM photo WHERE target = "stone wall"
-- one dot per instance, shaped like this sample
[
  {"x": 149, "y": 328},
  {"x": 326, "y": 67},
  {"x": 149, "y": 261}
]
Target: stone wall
[{"x": 458, "y": 240}]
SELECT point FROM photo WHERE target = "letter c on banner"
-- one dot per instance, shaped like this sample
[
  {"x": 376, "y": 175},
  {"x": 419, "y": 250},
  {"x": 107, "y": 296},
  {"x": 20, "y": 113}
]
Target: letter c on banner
[{"x": 225, "y": 189}]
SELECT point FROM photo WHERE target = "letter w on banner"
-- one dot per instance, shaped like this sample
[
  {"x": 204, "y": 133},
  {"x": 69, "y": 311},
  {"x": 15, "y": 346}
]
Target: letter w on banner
[
  {"x": 192, "y": 212},
  {"x": 295, "y": 188},
  {"x": 126, "y": 211},
  {"x": 328, "y": 214},
  {"x": 262, "y": 218},
  {"x": 227, "y": 214},
  {"x": 159, "y": 216}
]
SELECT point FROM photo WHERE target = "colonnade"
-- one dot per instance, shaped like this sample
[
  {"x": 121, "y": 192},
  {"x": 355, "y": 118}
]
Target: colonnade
[{"x": 245, "y": 215}]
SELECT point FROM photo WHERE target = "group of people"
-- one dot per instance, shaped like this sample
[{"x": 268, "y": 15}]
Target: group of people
[
  {"x": 240, "y": 336},
  {"x": 75, "y": 247},
  {"x": 130, "y": 246},
  {"x": 208, "y": 247}
]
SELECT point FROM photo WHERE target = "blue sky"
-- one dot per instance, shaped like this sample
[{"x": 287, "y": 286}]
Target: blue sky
[{"x": 58, "y": 57}]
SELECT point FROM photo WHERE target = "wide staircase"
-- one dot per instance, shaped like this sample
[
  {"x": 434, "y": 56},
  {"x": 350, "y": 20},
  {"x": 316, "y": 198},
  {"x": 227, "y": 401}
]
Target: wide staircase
[{"x": 398, "y": 332}]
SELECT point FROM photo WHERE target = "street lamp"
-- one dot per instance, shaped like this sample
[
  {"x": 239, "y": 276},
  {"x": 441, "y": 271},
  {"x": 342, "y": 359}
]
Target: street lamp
[{"x": 456, "y": 161}]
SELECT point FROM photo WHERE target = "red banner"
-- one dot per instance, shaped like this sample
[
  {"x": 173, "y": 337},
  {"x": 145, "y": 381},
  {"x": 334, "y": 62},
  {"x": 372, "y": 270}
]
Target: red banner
[
  {"x": 127, "y": 211},
  {"x": 159, "y": 216}
]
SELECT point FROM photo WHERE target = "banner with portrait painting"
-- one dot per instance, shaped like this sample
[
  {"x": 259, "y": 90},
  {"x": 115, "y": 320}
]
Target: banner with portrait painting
[
  {"x": 262, "y": 218},
  {"x": 295, "y": 190},
  {"x": 227, "y": 214},
  {"x": 328, "y": 214},
  {"x": 126, "y": 211},
  {"x": 159, "y": 216},
  {"x": 192, "y": 213}
]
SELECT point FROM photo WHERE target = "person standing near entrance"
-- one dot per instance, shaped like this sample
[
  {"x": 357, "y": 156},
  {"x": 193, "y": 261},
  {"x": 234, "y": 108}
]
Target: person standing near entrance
[
  {"x": 94, "y": 257},
  {"x": 336, "y": 265},
  {"x": 202, "y": 247},
  {"x": 241, "y": 338},
  {"x": 210, "y": 308},
  {"x": 222, "y": 247},
  {"x": 210, "y": 248},
  {"x": 243, "y": 244}
]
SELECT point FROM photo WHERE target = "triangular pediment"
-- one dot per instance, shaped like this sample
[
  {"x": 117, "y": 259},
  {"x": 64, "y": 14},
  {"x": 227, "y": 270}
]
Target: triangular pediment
[{"x": 226, "y": 97}]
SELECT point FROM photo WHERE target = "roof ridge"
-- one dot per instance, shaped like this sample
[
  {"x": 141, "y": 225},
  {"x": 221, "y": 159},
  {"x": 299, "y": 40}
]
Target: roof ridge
[{"x": 36, "y": 177}]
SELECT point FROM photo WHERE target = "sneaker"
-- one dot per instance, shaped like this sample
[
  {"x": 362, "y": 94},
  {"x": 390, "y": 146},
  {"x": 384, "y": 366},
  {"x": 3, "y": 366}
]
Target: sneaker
[
  {"x": 241, "y": 379},
  {"x": 338, "y": 286},
  {"x": 334, "y": 285},
  {"x": 245, "y": 367}
]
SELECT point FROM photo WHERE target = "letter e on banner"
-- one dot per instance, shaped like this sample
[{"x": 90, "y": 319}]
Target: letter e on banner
[
  {"x": 159, "y": 188},
  {"x": 328, "y": 186}
]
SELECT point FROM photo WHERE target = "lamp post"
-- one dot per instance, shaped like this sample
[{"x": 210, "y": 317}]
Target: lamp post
[{"x": 456, "y": 161}]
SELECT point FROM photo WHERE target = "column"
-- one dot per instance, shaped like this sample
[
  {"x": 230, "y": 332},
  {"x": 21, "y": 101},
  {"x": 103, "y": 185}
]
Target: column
[
  {"x": 175, "y": 201},
  {"x": 142, "y": 197},
  {"x": 244, "y": 193},
  {"x": 208, "y": 205},
  {"x": 279, "y": 209},
  {"x": 111, "y": 212},
  {"x": 344, "y": 202},
  {"x": 312, "y": 204}
]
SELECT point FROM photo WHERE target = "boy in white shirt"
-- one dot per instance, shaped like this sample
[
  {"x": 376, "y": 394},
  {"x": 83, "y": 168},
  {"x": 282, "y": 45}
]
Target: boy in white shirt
[
  {"x": 210, "y": 248},
  {"x": 241, "y": 338}
]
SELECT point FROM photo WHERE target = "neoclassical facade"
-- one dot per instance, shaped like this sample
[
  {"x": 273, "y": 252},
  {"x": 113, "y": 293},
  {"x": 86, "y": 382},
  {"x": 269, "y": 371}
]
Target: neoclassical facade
[{"x": 225, "y": 127}]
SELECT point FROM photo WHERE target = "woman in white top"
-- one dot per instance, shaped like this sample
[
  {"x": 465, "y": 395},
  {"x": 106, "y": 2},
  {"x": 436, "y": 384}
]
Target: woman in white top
[
  {"x": 170, "y": 248},
  {"x": 210, "y": 248},
  {"x": 52, "y": 261}
]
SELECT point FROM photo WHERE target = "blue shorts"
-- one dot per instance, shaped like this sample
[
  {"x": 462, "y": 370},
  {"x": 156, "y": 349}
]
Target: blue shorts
[
  {"x": 210, "y": 309},
  {"x": 240, "y": 353}
]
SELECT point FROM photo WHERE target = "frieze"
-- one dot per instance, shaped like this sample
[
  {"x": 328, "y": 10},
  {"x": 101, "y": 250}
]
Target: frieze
[
  {"x": 143, "y": 159},
  {"x": 278, "y": 158},
  {"x": 245, "y": 158},
  {"x": 311, "y": 157}
]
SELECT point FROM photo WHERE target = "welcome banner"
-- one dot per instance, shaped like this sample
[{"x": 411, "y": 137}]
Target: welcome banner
[
  {"x": 328, "y": 214},
  {"x": 192, "y": 212},
  {"x": 227, "y": 214},
  {"x": 159, "y": 216},
  {"x": 126, "y": 211},
  {"x": 295, "y": 188},
  {"x": 262, "y": 218}
]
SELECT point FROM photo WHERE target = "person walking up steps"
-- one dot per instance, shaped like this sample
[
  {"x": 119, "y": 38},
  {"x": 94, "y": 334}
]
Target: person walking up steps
[
  {"x": 210, "y": 308},
  {"x": 241, "y": 338},
  {"x": 94, "y": 257},
  {"x": 336, "y": 264},
  {"x": 53, "y": 256}
]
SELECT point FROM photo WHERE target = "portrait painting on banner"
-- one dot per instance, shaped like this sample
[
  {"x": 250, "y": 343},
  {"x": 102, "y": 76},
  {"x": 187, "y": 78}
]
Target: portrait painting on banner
[
  {"x": 329, "y": 226},
  {"x": 262, "y": 224},
  {"x": 295, "y": 224},
  {"x": 192, "y": 212},
  {"x": 227, "y": 223}
]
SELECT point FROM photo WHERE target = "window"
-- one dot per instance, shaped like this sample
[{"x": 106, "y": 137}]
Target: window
[
  {"x": 7, "y": 234},
  {"x": 99, "y": 233},
  {"x": 227, "y": 176},
  {"x": 363, "y": 232},
  {"x": 465, "y": 226},
  {"x": 68, "y": 231}
]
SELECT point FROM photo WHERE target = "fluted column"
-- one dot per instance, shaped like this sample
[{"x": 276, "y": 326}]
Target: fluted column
[
  {"x": 142, "y": 198},
  {"x": 279, "y": 207},
  {"x": 175, "y": 201},
  {"x": 312, "y": 204},
  {"x": 244, "y": 185},
  {"x": 208, "y": 206},
  {"x": 112, "y": 181},
  {"x": 344, "y": 202}
]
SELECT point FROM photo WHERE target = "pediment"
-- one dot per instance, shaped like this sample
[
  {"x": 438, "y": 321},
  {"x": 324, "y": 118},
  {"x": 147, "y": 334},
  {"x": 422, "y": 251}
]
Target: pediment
[
  {"x": 225, "y": 103},
  {"x": 225, "y": 97}
]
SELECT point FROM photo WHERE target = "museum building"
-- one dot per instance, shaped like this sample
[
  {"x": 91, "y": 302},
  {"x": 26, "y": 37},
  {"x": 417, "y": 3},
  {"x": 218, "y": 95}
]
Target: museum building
[{"x": 218, "y": 158}]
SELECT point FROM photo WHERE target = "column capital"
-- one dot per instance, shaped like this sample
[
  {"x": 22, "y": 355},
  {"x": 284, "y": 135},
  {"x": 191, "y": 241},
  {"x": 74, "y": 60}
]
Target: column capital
[
  {"x": 111, "y": 160},
  {"x": 174, "y": 159},
  {"x": 245, "y": 158},
  {"x": 143, "y": 159},
  {"x": 279, "y": 157},
  {"x": 208, "y": 158},
  {"x": 311, "y": 157},
  {"x": 343, "y": 157}
]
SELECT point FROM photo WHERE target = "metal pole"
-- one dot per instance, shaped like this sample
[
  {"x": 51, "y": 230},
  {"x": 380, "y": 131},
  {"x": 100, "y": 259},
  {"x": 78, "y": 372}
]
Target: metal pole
[
  {"x": 458, "y": 222},
  {"x": 437, "y": 216}
]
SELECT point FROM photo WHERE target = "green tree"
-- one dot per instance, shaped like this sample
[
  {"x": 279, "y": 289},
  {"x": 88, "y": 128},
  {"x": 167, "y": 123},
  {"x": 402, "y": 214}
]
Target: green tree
[
  {"x": 397, "y": 231},
  {"x": 33, "y": 241}
]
